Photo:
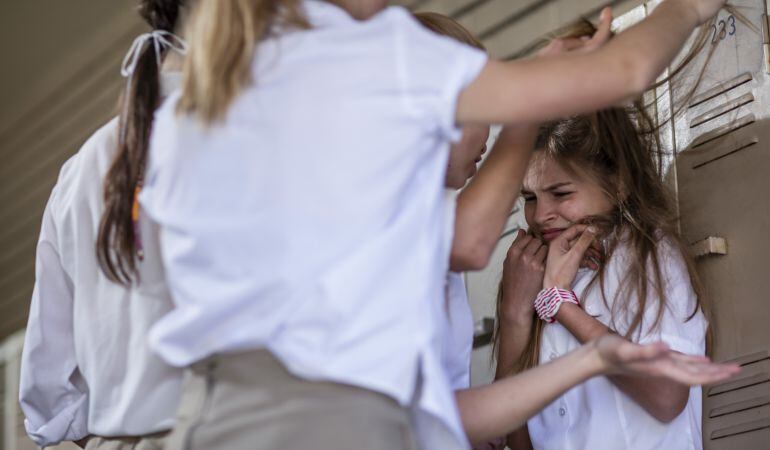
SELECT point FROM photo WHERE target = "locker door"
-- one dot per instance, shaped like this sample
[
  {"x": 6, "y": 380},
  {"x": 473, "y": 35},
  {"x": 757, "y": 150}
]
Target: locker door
[{"x": 723, "y": 178}]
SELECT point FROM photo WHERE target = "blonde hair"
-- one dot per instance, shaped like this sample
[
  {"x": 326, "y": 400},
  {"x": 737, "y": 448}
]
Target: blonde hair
[
  {"x": 441, "y": 24},
  {"x": 223, "y": 37}
]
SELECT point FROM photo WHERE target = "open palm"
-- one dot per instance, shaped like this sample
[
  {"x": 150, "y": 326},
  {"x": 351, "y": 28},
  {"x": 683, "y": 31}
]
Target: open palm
[{"x": 657, "y": 360}]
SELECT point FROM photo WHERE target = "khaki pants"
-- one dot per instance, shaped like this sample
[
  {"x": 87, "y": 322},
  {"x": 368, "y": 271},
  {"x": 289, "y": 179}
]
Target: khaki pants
[
  {"x": 154, "y": 441},
  {"x": 250, "y": 401}
]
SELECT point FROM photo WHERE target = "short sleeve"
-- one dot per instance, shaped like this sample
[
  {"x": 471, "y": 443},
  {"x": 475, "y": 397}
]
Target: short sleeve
[
  {"x": 682, "y": 325},
  {"x": 433, "y": 70}
]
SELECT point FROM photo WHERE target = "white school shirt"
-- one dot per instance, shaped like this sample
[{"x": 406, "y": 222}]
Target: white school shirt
[
  {"x": 596, "y": 415},
  {"x": 310, "y": 221},
  {"x": 86, "y": 365},
  {"x": 458, "y": 335}
]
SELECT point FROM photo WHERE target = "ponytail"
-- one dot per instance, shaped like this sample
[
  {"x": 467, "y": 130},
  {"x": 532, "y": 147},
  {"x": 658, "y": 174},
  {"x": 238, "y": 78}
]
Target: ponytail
[
  {"x": 117, "y": 246},
  {"x": 223, "y": 38}
]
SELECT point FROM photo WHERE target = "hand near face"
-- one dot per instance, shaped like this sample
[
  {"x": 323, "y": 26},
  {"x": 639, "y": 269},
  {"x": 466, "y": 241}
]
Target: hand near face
[
  {"x": 565, "y": 254},
  {"x": 522, "y": 275}
]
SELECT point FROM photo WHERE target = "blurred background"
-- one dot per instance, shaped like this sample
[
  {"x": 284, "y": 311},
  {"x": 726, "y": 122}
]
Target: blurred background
[{"x": 59, "y": 82}]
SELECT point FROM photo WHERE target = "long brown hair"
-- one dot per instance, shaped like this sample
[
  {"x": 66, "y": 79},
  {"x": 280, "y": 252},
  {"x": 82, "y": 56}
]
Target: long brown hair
[
  {"x": 610, "y": 148},
  {"x": 223, "y": 38},
  {"x": 116, "y": 244}
]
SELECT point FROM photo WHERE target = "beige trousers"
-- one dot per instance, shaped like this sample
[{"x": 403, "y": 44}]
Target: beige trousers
[
  {"x": 250, "y": 401},
  {"x": 155, "y": 441}
]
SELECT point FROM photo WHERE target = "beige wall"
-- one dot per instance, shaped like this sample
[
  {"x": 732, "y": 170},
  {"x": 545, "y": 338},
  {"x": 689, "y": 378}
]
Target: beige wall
[{"x": 59, "y": 81}]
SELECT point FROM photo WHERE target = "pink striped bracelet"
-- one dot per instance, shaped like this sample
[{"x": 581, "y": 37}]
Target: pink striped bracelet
[{"x": 548, "y": 302}]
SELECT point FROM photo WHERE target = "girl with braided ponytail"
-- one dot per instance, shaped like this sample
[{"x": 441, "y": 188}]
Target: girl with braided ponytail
[{"x": 87, "y": 373}]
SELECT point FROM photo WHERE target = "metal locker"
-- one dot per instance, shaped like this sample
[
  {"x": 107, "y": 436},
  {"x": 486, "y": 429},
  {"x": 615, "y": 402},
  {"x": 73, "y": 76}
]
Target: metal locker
[{"x": 722, "y": 174}]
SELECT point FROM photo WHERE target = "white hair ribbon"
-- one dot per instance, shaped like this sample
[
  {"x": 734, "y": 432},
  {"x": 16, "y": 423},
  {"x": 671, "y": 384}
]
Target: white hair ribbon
[{"x": 160, "y": 39}]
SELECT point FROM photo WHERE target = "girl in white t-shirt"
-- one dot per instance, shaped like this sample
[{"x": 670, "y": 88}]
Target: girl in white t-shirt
[
  {"x": 297, "y": 182},
  {"x": 598, "y": 169}
]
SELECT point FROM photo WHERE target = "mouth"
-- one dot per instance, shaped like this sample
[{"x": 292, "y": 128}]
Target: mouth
[{"x": 551, "y": 234}]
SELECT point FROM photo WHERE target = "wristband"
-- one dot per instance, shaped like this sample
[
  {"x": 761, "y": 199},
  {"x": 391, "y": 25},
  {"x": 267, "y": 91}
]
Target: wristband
[{"x": 549, "y": 301}]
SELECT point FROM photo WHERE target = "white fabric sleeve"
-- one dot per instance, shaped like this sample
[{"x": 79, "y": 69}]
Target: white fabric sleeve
[
  {"x": 678, "y": 328},
  {"x": 433, "y": 70},
  {"x": 52, "y": 393}
]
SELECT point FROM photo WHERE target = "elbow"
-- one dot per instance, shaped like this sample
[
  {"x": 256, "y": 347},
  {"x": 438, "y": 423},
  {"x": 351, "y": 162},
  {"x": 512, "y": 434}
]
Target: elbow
[
  {"x": 670, "y": 409},
  {"x": 471, "y": 256}
]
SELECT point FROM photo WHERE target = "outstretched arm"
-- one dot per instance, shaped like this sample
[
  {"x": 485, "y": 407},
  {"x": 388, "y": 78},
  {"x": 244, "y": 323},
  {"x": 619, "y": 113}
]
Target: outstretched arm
[
  {"x": 534, "y": 90},
  {"x": 503, "y": 406}
]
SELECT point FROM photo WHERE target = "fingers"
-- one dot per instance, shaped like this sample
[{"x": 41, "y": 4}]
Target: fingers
[
  {"x": 577, "y": 252},
  {"x": 533, "y": 246},
  {"x": 570, "y": 44},
  {"x": 603, "y": 31},
  {"x": 541, "y": 254},
  {"x": 692, "y": 372},
  {"x": 657, "y": 360},
  {"x": 564, "y": 239},
  {"x": 519, "y": 242}
]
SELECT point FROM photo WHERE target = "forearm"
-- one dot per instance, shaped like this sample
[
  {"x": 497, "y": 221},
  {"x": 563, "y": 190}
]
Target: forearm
[
  {"x": 515, "y": 335},
  {"x": 662, "y": 399},
  {"x": 484, "y": 206},
  {"x": 509, "y": 92},
  {"x": 497, "y": 409},
  {"x": 650, "y": 46}
]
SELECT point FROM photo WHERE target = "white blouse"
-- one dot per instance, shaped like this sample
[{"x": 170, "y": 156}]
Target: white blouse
[
  {"x": 596, "y": 415},
  {"x": 310, "y": 221},
  {"x": 458, "y": 334},
  {"x": 86, "y": 364}
]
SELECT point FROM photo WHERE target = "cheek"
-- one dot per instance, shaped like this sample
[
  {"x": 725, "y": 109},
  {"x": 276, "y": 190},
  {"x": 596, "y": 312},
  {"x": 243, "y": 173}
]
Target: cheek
[
  {"x": 580, "y": 207},
  {"x": 571, "y": 210}
]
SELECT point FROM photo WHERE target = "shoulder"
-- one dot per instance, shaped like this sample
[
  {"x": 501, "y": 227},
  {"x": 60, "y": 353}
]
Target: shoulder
[
  {"x": 97, "y": 153},
  {"x": 85, "y": 170}
]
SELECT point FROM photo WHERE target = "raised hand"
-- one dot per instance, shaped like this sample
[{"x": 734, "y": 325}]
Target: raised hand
[
  {"x": 565, "y": 254},
  {"x": 620, "y": 356},
  {"x": 522, "y": 276},
  {"x": 584, "y": 43}
]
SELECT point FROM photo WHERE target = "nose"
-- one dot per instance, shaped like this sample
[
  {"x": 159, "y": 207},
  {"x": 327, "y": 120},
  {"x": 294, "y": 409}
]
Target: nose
[{"x": 545, "y": 213}]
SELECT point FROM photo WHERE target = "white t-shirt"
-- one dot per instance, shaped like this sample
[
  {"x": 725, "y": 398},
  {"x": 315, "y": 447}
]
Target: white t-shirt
[
  {"x": 310, "y": 222},
  {"x": 86, "y": 366},
  {"x": 596, "y": 415}
]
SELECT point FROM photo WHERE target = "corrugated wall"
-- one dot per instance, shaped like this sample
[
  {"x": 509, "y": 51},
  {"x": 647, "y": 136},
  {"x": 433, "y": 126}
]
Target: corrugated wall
[{"x": 59, "y": 81}]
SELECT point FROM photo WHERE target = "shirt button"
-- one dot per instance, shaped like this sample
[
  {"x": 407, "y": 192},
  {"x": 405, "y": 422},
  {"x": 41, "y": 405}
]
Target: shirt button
[
  {"x": 562, "y": 412},
  {"x": 552, "y": 356}
]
